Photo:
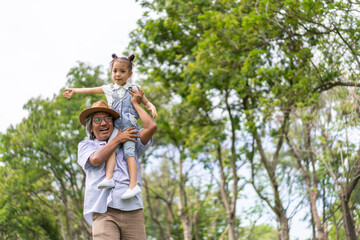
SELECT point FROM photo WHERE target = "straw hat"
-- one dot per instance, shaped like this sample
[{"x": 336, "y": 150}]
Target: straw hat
[{"x": 99, "y": 106}]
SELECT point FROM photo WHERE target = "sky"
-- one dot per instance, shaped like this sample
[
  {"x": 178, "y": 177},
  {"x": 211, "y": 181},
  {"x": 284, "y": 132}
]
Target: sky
[{"x": 41, "y": 40}]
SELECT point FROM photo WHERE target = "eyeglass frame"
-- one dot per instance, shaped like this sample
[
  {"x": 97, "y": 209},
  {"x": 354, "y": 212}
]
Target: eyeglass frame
[{"x": 107, "y": 119}]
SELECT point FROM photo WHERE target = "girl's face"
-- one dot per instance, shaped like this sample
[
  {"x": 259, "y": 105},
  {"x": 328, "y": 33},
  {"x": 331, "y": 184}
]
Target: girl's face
[{"x": 120, "y": 72}]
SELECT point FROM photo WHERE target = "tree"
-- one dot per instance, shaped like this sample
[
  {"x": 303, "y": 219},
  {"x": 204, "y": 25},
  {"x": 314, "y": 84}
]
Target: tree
[
  {"x": 340, "y": 156},
  {"x": 256, "y": 61},
  {"x": 40, "y": 158}
]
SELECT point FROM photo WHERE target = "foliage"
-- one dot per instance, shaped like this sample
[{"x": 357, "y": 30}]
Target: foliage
[
  {"x": 39, "y": 159},
  {"x": 251, "y": 66},
  {"x": 249, "y": 93}
]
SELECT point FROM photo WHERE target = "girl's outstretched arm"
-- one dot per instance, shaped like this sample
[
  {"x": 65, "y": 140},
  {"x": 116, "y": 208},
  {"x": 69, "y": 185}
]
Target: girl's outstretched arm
[{"x": 69, "y": 92}]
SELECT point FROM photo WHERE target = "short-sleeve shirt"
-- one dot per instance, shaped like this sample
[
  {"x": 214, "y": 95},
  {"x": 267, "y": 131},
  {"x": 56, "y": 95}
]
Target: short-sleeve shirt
[{"x": 97, "y": 200}]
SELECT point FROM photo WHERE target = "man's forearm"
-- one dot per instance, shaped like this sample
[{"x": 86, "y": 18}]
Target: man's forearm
[
  {"x": 103, "y": 153},
  {"x": 148, "y": 123}
]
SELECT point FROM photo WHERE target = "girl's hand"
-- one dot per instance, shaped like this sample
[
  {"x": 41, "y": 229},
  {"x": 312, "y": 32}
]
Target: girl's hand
[
  {"x": 69, "y": 92},
  {"x": 137, "y": 96},
  {"x": 152, "y": 109}
]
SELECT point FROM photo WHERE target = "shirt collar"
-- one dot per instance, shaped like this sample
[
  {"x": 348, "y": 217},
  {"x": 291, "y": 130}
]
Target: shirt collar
[
  {"x": 101, "y": 143},
  {"x": 126, "y": 86}
]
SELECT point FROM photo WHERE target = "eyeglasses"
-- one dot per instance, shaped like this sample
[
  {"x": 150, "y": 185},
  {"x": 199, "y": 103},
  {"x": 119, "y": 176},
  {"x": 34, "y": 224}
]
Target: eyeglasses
[{"x": 98, "y": 120}]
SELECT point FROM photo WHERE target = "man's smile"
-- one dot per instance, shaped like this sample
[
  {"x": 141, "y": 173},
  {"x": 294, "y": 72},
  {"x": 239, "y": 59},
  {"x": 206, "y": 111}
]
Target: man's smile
[{"x": 104, "y": 129}]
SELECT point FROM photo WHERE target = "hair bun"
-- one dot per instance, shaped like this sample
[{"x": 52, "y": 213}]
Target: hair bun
[
  {"x": 131, "y": 57},
  {"x": 114, "y": 55}
]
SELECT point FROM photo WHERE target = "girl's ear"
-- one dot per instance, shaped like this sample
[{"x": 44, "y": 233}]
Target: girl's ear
[{"x": 130, "y": 74}]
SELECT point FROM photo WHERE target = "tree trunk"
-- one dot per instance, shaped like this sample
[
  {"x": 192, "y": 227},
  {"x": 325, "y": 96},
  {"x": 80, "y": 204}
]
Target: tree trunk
[
  {"x": 168, "y": 216},
  {"x": 231, "y": 225},
  {"x": 230, "y": 202},
  {"x": 230, "y": 211},
  {"x": 195, "y": 220},
  {"x": 186, "y": 223},
  {"x": 349, "y": 225},
  {"x": 270, "y": 167},
  {"x": 312, "y": 187},
  {"x": 313, "y": 195},
  {"x": 346, "y": 189},
  {"x": 150, "y": 208},
  {"x": 284, "y": 225},
  {"x": 182, "y": 211}
]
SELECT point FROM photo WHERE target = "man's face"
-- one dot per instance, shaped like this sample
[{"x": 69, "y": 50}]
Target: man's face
[{"x": 101, "y": 128}]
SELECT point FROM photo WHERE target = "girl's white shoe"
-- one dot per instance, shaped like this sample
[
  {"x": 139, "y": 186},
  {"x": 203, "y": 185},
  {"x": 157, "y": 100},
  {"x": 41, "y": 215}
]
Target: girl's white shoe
[
  {"x": 129, "y": 193},
  {"x": 106, "y": 183}
]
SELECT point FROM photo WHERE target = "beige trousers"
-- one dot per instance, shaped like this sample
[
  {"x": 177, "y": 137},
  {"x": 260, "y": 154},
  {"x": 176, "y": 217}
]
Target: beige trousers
[{"x": 117, "y": 224}]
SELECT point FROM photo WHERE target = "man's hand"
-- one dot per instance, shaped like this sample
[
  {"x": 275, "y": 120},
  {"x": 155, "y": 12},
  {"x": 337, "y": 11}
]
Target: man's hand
[
  {"x": 127, "y": 135},
  {"x": 137, "y": 96},
  {"x": 69, "y": 92}
]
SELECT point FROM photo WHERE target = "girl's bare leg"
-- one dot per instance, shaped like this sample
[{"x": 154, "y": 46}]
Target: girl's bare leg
[
  {"x": 132, "y": 167},
  {"x": 110, "y": 166},
  {"x": 108, "y": 182},
  {"x": 134, "y": 188}
]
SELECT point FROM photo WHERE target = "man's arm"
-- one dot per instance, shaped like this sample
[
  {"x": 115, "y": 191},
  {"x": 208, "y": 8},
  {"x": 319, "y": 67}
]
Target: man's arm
[
  {"x": 148, "y": 123},
  {"x": 104, "y": 153}
]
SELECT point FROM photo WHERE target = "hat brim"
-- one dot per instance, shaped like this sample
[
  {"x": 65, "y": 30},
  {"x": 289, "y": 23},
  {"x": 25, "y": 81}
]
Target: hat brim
[{"x": 84, "y": 114}]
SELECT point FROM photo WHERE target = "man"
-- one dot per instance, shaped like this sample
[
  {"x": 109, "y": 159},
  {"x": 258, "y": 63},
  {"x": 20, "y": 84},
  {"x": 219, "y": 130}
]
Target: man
[{"x": 110, "y": 216}]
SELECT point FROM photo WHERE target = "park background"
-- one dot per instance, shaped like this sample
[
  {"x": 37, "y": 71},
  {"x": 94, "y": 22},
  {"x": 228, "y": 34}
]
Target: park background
[{"x": 258, "y": 110}]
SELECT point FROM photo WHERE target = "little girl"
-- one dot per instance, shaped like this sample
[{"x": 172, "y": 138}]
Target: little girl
[{"x": 119, "y": 99}]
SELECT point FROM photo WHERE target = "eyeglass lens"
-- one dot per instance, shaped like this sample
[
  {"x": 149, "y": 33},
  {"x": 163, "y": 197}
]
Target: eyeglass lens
[{"x": 99, "y": 120}]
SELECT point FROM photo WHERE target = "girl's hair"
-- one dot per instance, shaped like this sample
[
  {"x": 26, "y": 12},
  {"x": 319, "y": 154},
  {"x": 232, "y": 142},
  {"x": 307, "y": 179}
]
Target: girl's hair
[{"x": 129, "y": 60}]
